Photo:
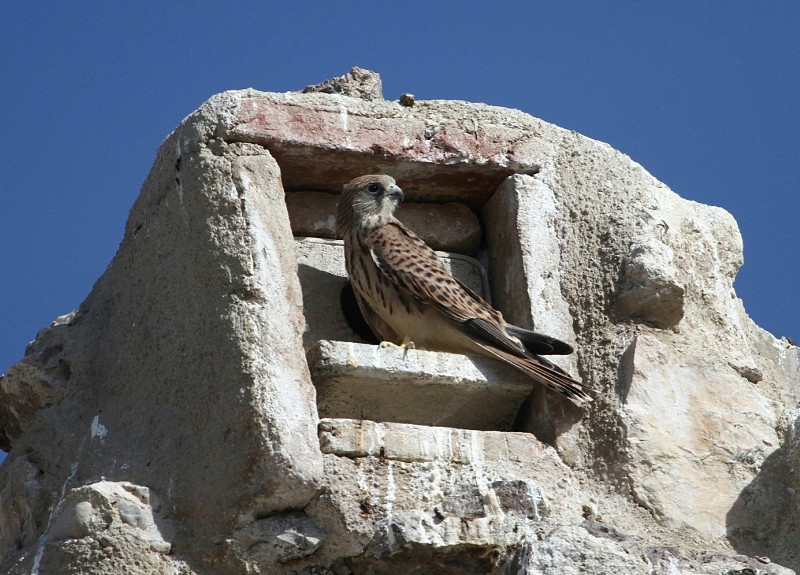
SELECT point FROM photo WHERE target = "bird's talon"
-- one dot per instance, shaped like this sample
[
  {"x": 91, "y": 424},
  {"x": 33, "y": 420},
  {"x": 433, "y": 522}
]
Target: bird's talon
[{"x": 406, "y": 345}]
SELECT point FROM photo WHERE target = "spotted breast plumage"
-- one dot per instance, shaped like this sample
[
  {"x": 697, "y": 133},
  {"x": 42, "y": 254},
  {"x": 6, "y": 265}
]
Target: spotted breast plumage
[{"x": 409, "y": 299}]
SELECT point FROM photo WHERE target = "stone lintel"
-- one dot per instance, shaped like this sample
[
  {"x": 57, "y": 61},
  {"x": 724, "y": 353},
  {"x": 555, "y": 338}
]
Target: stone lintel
[{"x": 319, "y": 139}]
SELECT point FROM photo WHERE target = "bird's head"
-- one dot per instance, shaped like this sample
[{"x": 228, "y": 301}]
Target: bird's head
[{"x": 367, "y": 199}]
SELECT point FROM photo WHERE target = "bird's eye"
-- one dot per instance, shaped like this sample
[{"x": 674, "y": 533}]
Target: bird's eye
[{"x": 374, "y": 188}]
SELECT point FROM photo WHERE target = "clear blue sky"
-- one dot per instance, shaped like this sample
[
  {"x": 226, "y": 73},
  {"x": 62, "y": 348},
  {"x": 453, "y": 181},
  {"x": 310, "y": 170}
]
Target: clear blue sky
[{"x": 705, "y": 95}]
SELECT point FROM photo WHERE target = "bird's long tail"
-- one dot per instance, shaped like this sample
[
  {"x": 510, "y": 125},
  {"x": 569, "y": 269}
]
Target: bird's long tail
[{"x": 545, "y": 373}]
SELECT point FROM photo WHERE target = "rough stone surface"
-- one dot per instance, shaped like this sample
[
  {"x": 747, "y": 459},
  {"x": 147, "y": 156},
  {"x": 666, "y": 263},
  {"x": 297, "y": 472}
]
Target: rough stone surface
[
  {"x": 278, "y": 538},
  {"x": 166, "y": 355},
  {"x": 689, "y": 470},
  {"x": 106, "y": 527},
  {"x": 577, "y": 550},
  {"x": 418, "y": 443},
  {"x": 323, "y": 140},
  {"x": 183, "y": 375},
  {"x": 650, "y": 291},
  {"x": 450, "y": 227},
  {"x": 35, "y": 382},
  {"x": 358, "y": 83},
  {"x": 522, "y": 236},
  {"x": 312, "y": 214}
]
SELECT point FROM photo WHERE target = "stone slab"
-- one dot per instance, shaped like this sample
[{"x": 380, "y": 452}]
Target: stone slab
[
  {"x": 322, "y": 138},
  {"x": 361, "y": 381},
  {"x": 407, "y": 442}
]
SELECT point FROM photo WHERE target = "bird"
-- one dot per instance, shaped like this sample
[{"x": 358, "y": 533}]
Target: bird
[{"x": 411, "y": 301}]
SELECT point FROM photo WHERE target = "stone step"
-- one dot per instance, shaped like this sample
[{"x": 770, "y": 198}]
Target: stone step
[
  {"x": 356, "y": 438},
  {"x": 361, "y": 381}
]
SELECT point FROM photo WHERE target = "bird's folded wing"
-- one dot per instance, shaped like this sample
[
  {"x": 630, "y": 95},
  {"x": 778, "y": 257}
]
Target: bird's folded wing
[{"x": 411, "y": 265}]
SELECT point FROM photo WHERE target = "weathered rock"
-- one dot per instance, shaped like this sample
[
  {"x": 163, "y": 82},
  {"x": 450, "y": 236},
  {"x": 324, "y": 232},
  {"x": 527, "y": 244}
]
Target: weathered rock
[
  {"x": 20, "y": 503},
  {"x": 322, "y": 140},
  {"x": 574, "y": 550},
  {"x": 696, "y": 434},
  {"x": 762, "y": 520},
  {"x": 358, "y": 83},
  {"x": 184, "y": 372},
  {"x": 278, "y": 539},
  {"x": 416, "y": 443},
  {"x": 524, "y": 245},
  {"x": 107, "y": 527},
  {"x": 456, "y": 492},
  {"x": 450, "y": 227},
  {"x": 38, "y": 380},
  {"x": 312, "y": 214},
  {"x": 187, "y": 368}
]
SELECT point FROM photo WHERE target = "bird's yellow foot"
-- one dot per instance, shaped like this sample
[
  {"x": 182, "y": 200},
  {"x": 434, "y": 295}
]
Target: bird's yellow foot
[{"x": 406, "y": 344}]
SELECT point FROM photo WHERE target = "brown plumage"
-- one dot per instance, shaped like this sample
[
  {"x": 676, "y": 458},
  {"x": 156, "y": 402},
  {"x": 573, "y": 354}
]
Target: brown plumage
[{"x": 406, "y": 295}]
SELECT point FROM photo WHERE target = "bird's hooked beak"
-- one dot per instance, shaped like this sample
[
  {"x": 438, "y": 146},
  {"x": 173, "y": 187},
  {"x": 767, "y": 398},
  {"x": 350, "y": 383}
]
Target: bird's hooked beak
[{"x": 394, "y": 192}]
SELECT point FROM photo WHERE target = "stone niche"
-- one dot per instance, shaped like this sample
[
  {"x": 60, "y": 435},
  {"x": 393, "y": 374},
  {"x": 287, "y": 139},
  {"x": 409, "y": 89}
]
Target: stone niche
[{"x": 355, "y": 378}]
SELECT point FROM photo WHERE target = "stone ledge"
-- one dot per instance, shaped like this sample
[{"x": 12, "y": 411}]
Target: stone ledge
[
  {"x": 360, "y": 381},
  {"x": 355, "y": 438}
]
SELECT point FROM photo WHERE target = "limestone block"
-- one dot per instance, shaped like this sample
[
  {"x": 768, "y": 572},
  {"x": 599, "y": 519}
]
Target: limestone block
[
  {"x": 522, "y": 497},
  {"x": 312, "y": 214},
  {"x": 521, "y": 221},
  {"x": 697, "y": 433},
  {"x": 451, "y": 227},
  {"x": 356, "y": 381},
  {"x": 434, "y": 507},
  {"x": 416, "y": 443},
  {"x": 575, "y": 550},
  {"x": 762, "y": 521},
  {"x": 186, "y": 360},
  {"x": 318, "y": 139},
  {"x": 322, "y": 276},
  {"x": 434, "y": 496},
  {"x": 525, "y": 251}
]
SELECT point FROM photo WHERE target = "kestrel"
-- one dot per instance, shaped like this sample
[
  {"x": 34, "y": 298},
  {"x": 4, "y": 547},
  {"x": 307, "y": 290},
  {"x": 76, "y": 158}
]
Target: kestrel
[{"x": 409, "y": 299}]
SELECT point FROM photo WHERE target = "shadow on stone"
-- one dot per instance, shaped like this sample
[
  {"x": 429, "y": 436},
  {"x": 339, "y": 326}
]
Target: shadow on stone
[
  {"x": 546, "y": 414},
  {"x": 763, "y": 521}
]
